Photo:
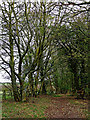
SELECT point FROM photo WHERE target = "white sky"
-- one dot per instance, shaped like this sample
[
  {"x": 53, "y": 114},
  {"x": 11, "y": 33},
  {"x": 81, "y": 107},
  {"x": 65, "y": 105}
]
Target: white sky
[
  {"x": 2, "y": 79},
  {"x": 1, "y": 73}
]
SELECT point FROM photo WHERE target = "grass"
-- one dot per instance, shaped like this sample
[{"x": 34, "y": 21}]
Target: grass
[
  {"x": 35, "y": 108},
  {"x": 83, "y": 105},
  {"x": 69, "y": 95},
  {"x": 57, "y": 95}
]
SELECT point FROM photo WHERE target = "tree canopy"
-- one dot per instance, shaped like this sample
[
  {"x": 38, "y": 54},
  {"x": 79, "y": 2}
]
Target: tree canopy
[{"x": 44, "y": 46}]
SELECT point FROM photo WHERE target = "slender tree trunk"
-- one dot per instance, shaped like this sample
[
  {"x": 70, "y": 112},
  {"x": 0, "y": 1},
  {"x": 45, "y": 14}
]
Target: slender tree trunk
[
  {"x": 56, "y": 85},
  {"x": 36, "y": 83},
  {"x": 13, "y": 78},
  {"x": 31, "y": 83},
  {"x": 43, "y": 87},
  {"x": 51, "y": 88}
]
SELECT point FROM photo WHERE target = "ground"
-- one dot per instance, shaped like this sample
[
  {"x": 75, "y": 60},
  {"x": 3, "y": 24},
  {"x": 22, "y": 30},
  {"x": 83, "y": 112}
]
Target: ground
[
  {"x": 46, "y": 106},
  {"x": 67, "y": 107}
]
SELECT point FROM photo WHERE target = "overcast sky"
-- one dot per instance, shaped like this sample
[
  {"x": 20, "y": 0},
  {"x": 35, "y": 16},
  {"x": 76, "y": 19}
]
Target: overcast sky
[{"x": 1, "y": 73}]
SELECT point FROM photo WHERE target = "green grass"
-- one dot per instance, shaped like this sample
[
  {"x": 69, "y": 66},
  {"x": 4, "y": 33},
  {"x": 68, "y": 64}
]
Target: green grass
[
  {"x": 69, "y": 95},
  {"x": 57, "y": 95},
  {"x": 36, "y": 109}
]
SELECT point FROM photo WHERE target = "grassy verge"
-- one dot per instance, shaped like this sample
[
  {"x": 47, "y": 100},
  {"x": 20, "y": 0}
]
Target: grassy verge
[{"x": 35, "y": 108}]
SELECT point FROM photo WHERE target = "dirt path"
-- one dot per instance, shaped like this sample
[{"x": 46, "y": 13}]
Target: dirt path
[{"x": 61, "y": 107}]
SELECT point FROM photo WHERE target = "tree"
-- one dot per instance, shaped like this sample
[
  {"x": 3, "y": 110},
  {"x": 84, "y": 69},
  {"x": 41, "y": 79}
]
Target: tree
[
  {"x": 71, "y": 38},
  {"x": 13, "y": 32},
  {"x": 31, "y": 35}
]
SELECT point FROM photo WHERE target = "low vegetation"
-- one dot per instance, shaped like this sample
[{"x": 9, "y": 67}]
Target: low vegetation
[
  {"x": 40, "y": 107},
  {"x": 33, "y": 109}
]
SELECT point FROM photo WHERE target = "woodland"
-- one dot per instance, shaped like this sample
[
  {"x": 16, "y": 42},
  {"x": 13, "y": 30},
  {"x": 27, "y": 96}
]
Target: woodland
[{"x": 44, "y": 48}]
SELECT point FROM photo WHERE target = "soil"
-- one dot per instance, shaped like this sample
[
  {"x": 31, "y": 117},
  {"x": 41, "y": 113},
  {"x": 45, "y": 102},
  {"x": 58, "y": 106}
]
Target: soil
[{"x": 67, "y": 107}]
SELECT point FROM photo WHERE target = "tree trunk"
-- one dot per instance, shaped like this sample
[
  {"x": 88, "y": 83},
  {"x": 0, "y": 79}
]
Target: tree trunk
[
  {"x": 14, "y": 86},
  {"x": 36, "y": 83},
  {"x": 43, "y": 88},
  {"x": 4, "y": 94},
  {"x": 31, "y": 83},
  {"x": 13, "y": 78}
]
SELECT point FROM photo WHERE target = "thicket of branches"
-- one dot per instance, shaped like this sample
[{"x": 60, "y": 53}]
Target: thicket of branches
[{"x": 44, "y": 46}]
